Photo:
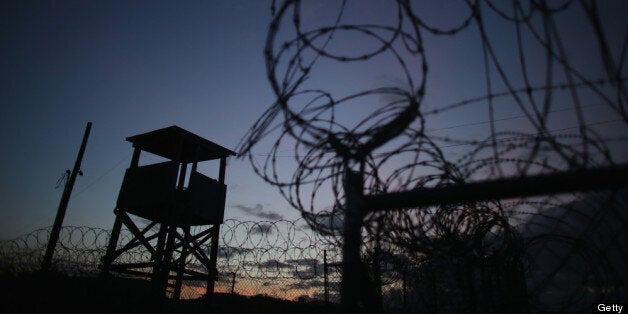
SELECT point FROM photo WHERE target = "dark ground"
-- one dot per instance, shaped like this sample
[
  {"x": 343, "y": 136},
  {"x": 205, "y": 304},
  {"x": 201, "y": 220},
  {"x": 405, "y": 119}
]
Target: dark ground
[{"x": 49, "y": 293}]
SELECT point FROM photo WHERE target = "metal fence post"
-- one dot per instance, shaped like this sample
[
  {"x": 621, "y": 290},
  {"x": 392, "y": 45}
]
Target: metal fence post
[
  {"x": 233, "y": 282},
  {"x": 325, "y": 277},
  {"x": 404, "y": 287},
  {"x": 353, "y": 185}
]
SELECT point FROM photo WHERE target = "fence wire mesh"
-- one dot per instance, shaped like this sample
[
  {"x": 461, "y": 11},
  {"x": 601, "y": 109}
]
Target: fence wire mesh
[
  {"x": 282, "y": 259},
  {"x": 572, "y": 253}
]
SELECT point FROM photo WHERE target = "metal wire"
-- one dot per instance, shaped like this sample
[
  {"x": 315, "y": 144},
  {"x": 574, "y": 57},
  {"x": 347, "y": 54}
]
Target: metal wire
[
  {"x": 385, "y": 133},
  {"x": 283, "y": 259}
]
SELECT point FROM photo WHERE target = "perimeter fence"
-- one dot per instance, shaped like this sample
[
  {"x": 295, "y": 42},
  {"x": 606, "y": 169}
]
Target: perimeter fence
[
  {"x": 282, "y": 259},
  {"x": 573, "y": 253}
]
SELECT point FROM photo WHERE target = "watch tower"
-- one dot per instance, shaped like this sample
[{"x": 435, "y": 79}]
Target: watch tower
[{"x": 182, "y": 211}]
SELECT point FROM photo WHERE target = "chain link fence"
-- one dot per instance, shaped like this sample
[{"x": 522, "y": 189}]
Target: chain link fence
[
  {"x": 281, "y": 259},
  {"x": 573, "y": 254}
]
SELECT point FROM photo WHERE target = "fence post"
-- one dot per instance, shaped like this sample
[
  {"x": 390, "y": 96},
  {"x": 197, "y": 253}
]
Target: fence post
[
  {"x": 377, "y": 274},
  {"x": 325, "y": 277},
  {"x": 353, "y": 185},
  {"x": 403, "y": 283},
  {"x": 233, "y": 282}
]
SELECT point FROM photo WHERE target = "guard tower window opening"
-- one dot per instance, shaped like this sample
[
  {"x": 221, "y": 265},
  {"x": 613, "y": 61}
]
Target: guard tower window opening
[
  {"x": 210, "y": 168},
  {"x": 147, "y": 158},
  {"x": 188, "y": 174}
]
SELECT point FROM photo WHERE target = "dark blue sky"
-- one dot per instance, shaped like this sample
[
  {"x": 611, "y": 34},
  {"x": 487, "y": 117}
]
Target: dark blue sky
[
  {"x": 129, "y": 67},
  {"x": 135, "y": 66}
]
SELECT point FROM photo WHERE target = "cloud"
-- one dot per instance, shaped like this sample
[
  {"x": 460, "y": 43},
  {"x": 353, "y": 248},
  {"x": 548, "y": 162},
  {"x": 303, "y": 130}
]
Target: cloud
[
  {"x": 228, "y": 252},
  {"x": 307, "y": 268},
  {"x": 263, "y": 229},
  {"x": 274, "y": 264},
  {"x": 303, "y": 261},
  {"x": 330, "y": 222},
  {"x": 306, "y": 284},
  {"x": 258, "y": 211},
  {"x": 235, "y": 186}
]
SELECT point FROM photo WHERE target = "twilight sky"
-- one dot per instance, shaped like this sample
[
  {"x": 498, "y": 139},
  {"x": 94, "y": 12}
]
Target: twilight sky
[{"x": 131, "y": 67}]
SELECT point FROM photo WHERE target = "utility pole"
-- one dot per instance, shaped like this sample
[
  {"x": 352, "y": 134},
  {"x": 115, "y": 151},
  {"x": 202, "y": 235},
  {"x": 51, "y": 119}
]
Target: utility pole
[{"x": 63, "y": 204}]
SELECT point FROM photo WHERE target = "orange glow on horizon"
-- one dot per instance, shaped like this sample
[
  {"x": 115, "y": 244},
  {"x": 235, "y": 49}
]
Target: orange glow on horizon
[{"x": 251, "y": 288}]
